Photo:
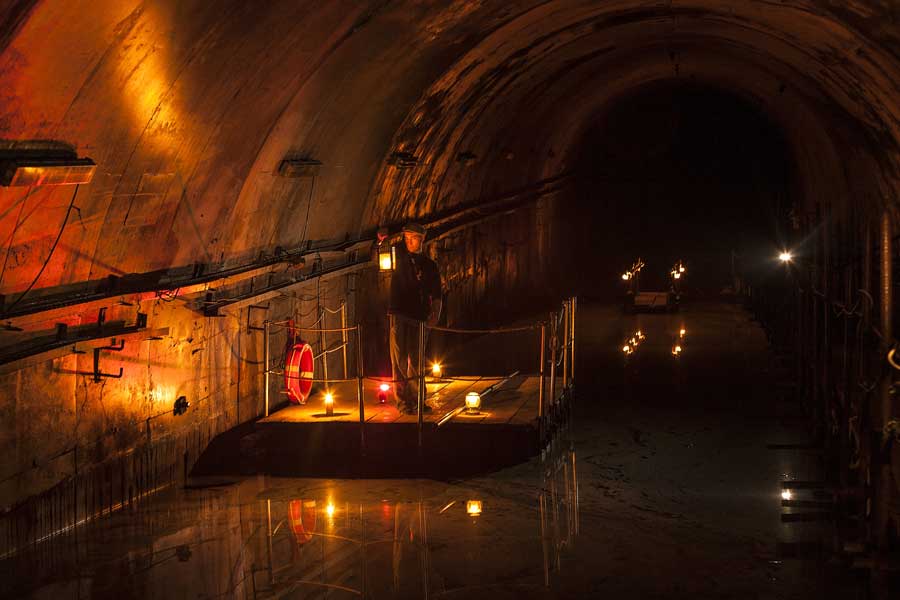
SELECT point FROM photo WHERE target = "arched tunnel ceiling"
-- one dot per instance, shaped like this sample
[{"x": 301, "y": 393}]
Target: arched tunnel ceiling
[{"x": 188, "y": 107}]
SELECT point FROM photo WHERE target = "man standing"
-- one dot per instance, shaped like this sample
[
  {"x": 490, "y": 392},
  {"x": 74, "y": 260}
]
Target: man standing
[{"x": 415, "y": 297}]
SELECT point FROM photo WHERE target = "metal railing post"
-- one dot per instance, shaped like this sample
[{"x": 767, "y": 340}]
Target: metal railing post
[
  {"x": 421, "y": 375},
  {"x": 572, "y": 334},
  {"x": 565, "y": 374},
  {"x": 359, "y": 388},
  {"x": 553, "y": 339},
  {"x": 882, "y": 412},
  {"x": 323, "y": 340},
  {"x": 266, "y": 364},
  {"x": 541, "y": 370},
  {"x": 344, "y": 336}
]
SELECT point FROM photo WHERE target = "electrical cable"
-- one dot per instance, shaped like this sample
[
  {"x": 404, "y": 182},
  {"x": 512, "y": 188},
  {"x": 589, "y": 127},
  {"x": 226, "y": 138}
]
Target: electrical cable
[{"x": 50, "y": 254}]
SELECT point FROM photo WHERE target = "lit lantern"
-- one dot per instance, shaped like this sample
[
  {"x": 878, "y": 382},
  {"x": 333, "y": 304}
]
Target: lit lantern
[
  {"x": 329, "y": 404},
  {"x": 387, "y": 257},
  {"x": 626, "y": 276},
  {"x": 626, "y": 349},
  {"x": 681, "y": 268},
  {"x": 436, "y": 369},
  {"x": 682, "y": 332},
  {"x": 676, "y": 351},
  {"x": 786, "y": 494},
  {"x": 329, "y": 510},
  {"x": 473, "y": 508},
  {"x": 640, "y": 334},
  {"x": 676, "y": 274},
  {"x": 383, "y": 390},
  {"x": 473, "y": 402},
  {"x": 785, "y": 257}
]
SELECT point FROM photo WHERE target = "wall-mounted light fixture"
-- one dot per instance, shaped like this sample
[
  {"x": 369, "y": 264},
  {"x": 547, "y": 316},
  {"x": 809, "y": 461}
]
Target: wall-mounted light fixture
[
  {"x": 181, "y": 406},
  {"x": 36, "y": 171},
  {"x": 299, "y": 167}
]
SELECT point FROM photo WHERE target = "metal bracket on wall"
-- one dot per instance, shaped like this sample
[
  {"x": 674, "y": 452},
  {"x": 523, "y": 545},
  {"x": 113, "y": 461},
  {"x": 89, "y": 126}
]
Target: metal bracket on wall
[
  {"x": 250, "y": 326},
  {"x": 97, "y": 374}
]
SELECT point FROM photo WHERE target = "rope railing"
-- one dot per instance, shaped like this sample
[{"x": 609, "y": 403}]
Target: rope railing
[{"x": 561, "y": 343}]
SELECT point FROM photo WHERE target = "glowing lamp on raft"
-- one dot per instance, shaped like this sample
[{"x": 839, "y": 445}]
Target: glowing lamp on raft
[
  {"x": 383, "y": 390},
  {"x": 387, "y": 258},
  {"x": 329, "y": 404},
  {"x": 473, "y": 508},
  {"x": 473, "y": 402},
  {"x": 436, "y": 369}
]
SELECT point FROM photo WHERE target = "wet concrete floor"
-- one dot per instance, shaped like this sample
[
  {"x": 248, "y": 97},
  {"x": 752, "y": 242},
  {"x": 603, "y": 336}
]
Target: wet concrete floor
[{"x": 662, "y": 487}]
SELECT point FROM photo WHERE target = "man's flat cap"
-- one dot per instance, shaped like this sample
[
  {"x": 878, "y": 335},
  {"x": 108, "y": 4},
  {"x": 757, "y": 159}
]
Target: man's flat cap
[{"x": 414, "y": 228}]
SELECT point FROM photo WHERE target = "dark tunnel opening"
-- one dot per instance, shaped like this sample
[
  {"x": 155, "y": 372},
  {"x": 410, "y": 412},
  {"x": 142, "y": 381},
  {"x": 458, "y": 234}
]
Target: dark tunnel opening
[{"x": 674, "y": 171}]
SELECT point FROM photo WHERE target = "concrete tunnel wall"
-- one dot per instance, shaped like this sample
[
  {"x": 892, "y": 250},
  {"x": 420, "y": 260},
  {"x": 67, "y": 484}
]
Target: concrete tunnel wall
[{"x": 188, "y": 108}]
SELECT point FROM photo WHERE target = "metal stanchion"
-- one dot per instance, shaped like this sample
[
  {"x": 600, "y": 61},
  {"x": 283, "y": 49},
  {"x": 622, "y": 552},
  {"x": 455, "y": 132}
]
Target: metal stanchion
[
  {"x": 882, "y": 410},
  {"x": 323, "y": 340},
  {"x": 344, "y": 335},
  {"x": 553, "y": 359},
  {"x": 541, "y": 370},
  {"x": 565, "y": 373},
  {"x": 266, "y": 364},
  {"x": 359, "y": 388},
  {"x": 420, "y": 373},
  {"x": 572, "y": 329}
]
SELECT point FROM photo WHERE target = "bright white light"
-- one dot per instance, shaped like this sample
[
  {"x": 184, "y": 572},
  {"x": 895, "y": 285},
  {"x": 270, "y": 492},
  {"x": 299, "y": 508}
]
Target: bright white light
[
  {"x": 384, "y": 387},
  {"x": 436, "y": 369},
  {"x": 329, "y": 509},
  {"x": 626, "y": 349},
  {"x": 329, "y": 399},
  {"x": 626, "y": 276},
  {"x": 785, "y": 257},
  {"x": 682, "y": 332},
  {"x": 676, "y": 275},
  {"x": 681, "y": 269},
  {"x": 786, "y": 494}
]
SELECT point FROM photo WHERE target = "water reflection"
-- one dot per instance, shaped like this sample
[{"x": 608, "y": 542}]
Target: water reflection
[{"x": 267, "y": 538}]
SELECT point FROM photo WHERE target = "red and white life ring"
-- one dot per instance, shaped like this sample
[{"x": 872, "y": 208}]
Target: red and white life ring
[
  {"x": 303, "y": 519},
  {"x": 298, "y": 372}
]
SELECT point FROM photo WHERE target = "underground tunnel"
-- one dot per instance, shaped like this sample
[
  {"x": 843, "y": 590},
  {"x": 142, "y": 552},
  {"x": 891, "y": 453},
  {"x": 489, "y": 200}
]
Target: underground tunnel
[{"x": 536, "y": 298}]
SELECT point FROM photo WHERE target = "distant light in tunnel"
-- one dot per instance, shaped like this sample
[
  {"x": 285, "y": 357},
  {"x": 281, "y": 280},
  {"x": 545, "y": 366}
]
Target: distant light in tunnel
[{"x": 785, "y": 257}]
